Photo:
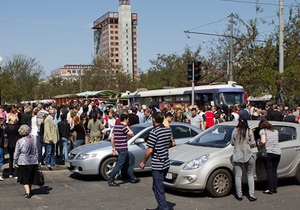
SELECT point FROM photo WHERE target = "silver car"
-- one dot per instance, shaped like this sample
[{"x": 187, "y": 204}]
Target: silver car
[
  {"x": 204, "y": 163},
  {"x": 96, "y": 158}
]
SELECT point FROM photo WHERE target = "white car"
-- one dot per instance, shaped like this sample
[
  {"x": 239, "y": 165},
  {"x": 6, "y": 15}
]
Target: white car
[{"x": 204, "y": 163}]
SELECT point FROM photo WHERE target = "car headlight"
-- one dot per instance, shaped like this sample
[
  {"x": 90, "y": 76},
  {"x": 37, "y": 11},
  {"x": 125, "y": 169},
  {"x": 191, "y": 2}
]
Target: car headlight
[
  {"x": 196, "y": 163},
  {"x": 85, "y": 156}
]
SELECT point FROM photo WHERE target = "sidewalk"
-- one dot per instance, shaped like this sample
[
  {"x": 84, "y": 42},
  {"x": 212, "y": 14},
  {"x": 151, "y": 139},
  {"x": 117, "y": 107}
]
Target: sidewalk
[{"x": 6, "y": 166}]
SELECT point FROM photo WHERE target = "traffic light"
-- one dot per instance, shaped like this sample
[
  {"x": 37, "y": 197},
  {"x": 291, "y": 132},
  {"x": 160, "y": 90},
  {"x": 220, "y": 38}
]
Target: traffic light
[
  {"x": 197, "y": 70},
  {"x": 190, "y": 71}
]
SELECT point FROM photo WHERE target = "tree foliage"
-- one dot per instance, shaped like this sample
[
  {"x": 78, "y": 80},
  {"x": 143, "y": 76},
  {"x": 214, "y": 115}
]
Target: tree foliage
[
  {"x": 104, "y": 76},
  {"x": 169, "y": 70},
  {"x": 20, "y": 78}
]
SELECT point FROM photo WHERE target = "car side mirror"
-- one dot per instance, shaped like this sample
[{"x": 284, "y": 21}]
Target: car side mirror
[{"x": 139, "y": 141}]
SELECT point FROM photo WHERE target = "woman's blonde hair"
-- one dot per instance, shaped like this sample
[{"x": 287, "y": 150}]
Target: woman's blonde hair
[{"x": 76, "y": 120}]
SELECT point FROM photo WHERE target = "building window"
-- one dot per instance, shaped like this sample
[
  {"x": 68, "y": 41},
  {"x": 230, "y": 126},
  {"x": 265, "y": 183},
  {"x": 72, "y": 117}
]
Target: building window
[{"x": 117, "y": 60}]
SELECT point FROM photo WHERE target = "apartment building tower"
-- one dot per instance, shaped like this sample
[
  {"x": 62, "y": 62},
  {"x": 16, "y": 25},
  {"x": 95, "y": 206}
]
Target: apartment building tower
[{"x": 115, "y": 38}]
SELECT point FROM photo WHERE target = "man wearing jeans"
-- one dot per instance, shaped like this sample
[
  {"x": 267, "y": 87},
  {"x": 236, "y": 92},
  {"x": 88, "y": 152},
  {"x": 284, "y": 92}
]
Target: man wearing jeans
[
  {"x": 119, "y": 144},
  {"x": 158, "y": 148},
  {"x": 50, "y": 139},
  {"x": 64, "y": 134}
]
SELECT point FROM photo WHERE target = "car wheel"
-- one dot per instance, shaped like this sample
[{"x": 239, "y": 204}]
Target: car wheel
[
  {"x": 297, "y": 177},
  {"x": 219, "y": 183},
  {"x": 107, "y": 166}
]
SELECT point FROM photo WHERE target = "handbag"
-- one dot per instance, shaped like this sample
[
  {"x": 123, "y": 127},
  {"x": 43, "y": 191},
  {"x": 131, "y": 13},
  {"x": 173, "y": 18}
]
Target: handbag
[
  {"x": 262, "y": 151},
  {"x": 41, "y": 178},
  {"x": 86, "y": 137}
]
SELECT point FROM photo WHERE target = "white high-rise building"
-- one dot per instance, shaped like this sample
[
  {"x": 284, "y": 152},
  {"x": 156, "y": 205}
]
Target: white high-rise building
[{"x": 115, "y": 38}]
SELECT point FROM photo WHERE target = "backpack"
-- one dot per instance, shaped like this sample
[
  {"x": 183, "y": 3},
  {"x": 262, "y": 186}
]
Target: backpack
[{"x": 209, "y": 119}]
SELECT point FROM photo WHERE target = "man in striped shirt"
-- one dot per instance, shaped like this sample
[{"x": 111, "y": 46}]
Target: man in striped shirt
[
  {"x": 158, "y": 149},
  {"x": 119, "y": 144}
]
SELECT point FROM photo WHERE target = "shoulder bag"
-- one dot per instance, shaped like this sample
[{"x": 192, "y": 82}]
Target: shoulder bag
[{"x": 262, "y": 151}]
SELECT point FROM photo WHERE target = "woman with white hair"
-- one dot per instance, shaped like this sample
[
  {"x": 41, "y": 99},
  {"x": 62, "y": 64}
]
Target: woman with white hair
[{"x": 26, "y": 159}]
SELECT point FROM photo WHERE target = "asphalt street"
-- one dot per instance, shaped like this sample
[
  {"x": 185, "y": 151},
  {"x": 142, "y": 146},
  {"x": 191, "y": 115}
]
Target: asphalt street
[{"x": 64, "y": 190}]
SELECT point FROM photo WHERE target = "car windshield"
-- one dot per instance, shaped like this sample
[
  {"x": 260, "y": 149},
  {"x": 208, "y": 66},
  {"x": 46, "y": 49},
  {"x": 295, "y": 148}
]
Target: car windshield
[
  {"x": 217, "y": 136},
  {"x": 137, "y": 129}
]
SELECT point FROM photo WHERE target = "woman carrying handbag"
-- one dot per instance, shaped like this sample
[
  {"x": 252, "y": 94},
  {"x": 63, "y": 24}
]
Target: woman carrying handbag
[
  {"x": 270, "y": 137},
  {"x": 26, "y": 160},
  {"x": 243, "y": 141}
]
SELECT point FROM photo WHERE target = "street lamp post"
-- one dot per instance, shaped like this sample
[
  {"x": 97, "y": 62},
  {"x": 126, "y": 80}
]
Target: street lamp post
[{"x": 1, "y": 62}]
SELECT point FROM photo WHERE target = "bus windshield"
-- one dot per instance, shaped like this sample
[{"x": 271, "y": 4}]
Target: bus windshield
[{"x": 230, "y": 98}]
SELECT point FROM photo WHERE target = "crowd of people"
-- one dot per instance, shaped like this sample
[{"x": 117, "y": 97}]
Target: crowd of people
[{"x": 60, "y": 127}]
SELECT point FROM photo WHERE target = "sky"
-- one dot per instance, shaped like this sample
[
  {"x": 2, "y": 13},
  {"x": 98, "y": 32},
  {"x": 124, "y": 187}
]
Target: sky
[{"x": 59, "y": 32}]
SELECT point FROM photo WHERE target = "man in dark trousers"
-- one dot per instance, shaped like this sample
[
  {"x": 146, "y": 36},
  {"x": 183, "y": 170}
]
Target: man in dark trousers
[
  {"x": 158, "y": 149},
  {"x": 119, "y": 144}
]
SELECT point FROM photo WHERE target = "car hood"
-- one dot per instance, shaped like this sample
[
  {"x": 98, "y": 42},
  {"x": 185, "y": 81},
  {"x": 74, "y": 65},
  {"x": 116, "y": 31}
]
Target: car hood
[
  {"x": 92, "y": 147},
  {"x": 186, "y": 153}
]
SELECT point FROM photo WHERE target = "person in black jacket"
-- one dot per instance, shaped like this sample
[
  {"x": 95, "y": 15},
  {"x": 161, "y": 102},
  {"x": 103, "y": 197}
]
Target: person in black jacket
[
  {"x": 11, "y": 130},
  {"x": 133, "y": 118},
  {"x": 64, "y": 134}
]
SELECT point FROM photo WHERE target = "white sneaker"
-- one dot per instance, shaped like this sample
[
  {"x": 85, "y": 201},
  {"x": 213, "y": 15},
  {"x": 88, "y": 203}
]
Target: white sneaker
[
  {"x": 16, "y": 177},
  {"x": 10, "y": 176},
  {"x": 1, "y": 178}
]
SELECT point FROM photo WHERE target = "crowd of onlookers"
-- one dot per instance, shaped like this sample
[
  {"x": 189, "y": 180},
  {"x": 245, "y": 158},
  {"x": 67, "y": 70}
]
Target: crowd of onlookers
[{"x": 61, "y": 127}]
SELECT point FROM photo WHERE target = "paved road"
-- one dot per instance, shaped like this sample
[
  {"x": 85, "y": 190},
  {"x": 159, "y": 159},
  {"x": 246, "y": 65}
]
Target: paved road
[{"x": 64, "y": 190}]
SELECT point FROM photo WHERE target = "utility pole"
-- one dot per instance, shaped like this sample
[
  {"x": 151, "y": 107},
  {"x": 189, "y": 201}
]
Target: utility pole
[
  {"x": 281, "y": 51},
  {"x": 231, "y": 48},
  {"x": 281, "y": 35}
]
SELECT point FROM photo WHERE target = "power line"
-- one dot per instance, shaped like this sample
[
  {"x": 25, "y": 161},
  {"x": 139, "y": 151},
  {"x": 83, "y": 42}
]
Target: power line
[
  {"x": 259, "y": 3},
  {"x": 209, "y": 23}
]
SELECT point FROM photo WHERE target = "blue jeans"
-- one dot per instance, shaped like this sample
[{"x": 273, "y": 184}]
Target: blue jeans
[
  {"x": 238, "y": 177},
  {"x": 158, "y": 188},
  {"x": 64, "y": 148},
  {"x": 1, "y": 158},
  {"x": 50, "y": 158},
  {"x": 123, "y": 161},
  {"x": 271, "y": 163},
  {"x": 79, "y": 142}
]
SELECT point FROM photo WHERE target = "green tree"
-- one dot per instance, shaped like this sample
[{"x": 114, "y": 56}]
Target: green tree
[
  {"x": 103, "y": 75},
  {"x": 20, "y": 78},
  {"x": 169, "y": 70}
]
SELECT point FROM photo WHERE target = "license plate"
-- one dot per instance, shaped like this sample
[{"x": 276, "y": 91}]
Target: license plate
[{"x": 169, "y": 176}]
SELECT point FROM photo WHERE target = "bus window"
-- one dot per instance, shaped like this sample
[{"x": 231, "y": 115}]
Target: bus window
[
  {"x": 229, "y": 98},
  {"x": 204, "y": 98}
]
